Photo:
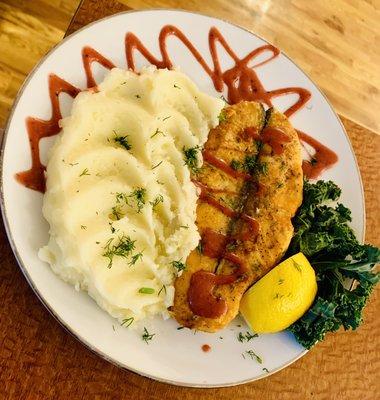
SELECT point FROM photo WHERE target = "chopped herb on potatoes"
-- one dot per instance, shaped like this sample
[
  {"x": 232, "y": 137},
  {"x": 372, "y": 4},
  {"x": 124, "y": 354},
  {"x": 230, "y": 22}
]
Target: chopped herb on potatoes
[
  {"x": 120, "y": 247},
  {"x": 122, "y": 141},
  {"x": 191, "y": 158}
]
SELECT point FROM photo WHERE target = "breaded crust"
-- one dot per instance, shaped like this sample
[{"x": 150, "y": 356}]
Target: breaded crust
[
  {"x": 226, "y": 142},
  {"x": 280, "y": 195}
]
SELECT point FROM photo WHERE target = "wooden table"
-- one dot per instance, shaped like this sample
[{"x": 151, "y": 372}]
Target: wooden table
[{"x": 40, "y": 360}]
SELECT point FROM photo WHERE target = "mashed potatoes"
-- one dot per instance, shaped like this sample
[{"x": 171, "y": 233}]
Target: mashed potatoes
[{"x": 119, "y": 199}]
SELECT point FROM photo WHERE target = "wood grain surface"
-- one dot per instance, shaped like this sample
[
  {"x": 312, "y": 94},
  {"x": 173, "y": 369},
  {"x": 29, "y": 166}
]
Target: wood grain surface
[
  {"x": 335, "y": 42},
  {"x": 40, "y": 360}
]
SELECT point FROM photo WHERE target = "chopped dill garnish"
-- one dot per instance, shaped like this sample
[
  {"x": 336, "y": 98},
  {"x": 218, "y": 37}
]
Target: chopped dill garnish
[
  {"x": 159, "y": 182},
  {"x": 122, "y": 248},
  {"x": 84, "y": 172},
  {"x": 278, "y": 296},
  {"x": 135, "y": 258},
  {"x": 281, "y": 281},
  {"x": 253, "y": 166},
  {"x": 180, "y": 327},
  {"x": 146, "y": 290},
  {"x": 156, "y": 133},
  {"x": 191, "y": 158},
  {"x": 162, "y": 289},
  {"x": 224, "y": 99},
  {"x": 116, "y": 213},
  {"x": 232, "y": 245},
  {"x": 164, "y": 119},
  {"x": 200, "y": 247},
  {"x": 137, "y": 96},
  {"x": 242, "y": 337},
  {"x": 157, "y": 165},
  {"x": 178, "y": 265},
  {"x": 254, "y": 356},
  {"x": 176, "y": 86},
  {"x": 235, "y": 164},
  {"x": 184, "y": 226},
  {"x": 146, "y": 336},
  {"x": 72, "y": 164},
  {"x": 222, "y": 116},
  {"x": 159, "y": 199},
  {"x": 113, "y": 230},
  {"x": 136, "y": 199},
  {"x": 83, "y": 227},
  {"x": 262, "y": 168},
  {"x": 266, "y": 370},
  {"x": 127, "y": 322},
  {"x": 122, "y": 141},
  {"x": 139, "y": 196}
]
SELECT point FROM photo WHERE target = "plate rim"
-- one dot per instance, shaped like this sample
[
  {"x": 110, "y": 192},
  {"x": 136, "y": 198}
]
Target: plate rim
[{"x": 21, "y": 264}]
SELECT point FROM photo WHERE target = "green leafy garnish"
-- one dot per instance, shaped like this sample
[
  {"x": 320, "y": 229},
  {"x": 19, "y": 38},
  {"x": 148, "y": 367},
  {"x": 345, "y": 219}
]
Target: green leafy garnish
[
  {"x": 157, "y": 165},
  {"x": 84, "y": 172},
  {"x": 146, "y": 336},
  {"x": 127, "y": 322},
  {"x": 135, "y": 258},
  {"x": 162, "y": 289},
  {"x": 122, "y": 248},
  {"x": 122, "y": 141},
  {"x": 135, "y": 199},
  {"x": 235, "y": 164},
  {"x": 191, "y": 158},
  {"x": 200, "y": 247},
  {"x": 146, "y": 290},
  {"x": 157, "y": 131},
  {"x": 253, "y": 166},
  {"x": 178, "y": 265},
  {"x": 254, "y": 356},
  {"x": 222, "y": 116},
  {"x": 159, "y": 199},
  {"x": 242, "y": 337},
  {"x": 322, "y": 233},
  {"x": 116, "y": 214}
]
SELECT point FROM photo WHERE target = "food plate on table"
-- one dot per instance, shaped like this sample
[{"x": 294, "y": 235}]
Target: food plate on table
[{"x": 164, "y": 177}]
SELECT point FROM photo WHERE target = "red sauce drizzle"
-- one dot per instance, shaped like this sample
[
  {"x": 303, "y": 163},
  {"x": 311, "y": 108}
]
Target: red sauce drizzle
[
  {"x": 322, "y": 159},
  {"x": 37, "y": 129},
  {"x": 200, "y": 294},
  {"x": 222, "y": 165},
  {"x": 34, "y": 178},
  {"x": 242, "y": 83},
  {"x": 241, "y": 80},
  {"x": 275, "y": 138},
  {"x": 90, "y": 55},
  {"x": 214, "y": 243},
  {"x": 252, "y": 132},
  {"x": 206, "y": 348}
]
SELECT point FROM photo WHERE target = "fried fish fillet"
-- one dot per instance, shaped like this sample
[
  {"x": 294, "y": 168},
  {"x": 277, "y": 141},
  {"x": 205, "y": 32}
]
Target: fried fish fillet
[
  {"x": 227, "y": 142},
  {"x": 272, "y": 200}
]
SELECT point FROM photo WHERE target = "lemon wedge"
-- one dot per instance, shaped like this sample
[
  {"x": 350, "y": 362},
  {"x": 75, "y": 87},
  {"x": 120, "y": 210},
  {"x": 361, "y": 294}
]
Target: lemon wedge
[{"x": 281, "y": 297}]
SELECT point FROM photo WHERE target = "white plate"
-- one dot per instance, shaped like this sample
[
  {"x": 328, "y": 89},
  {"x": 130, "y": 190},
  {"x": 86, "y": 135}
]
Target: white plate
[{"x": 173, "y": 356}]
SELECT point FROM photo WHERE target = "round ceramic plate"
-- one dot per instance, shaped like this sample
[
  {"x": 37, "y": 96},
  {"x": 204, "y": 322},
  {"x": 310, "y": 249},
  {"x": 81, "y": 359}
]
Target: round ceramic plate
[{"x": 173, "y": 356}]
